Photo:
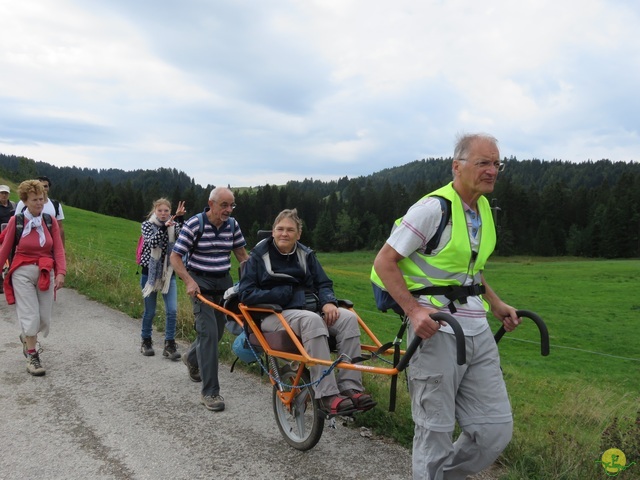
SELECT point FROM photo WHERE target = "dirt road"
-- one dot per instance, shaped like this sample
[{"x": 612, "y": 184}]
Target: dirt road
[{"x": 103, "y": 411}]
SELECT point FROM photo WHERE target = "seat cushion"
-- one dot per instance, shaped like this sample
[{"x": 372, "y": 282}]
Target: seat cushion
[{"x": 280, "y": 341}]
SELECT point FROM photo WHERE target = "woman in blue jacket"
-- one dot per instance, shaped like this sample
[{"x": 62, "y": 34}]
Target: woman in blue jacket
[{"x": 283, "y": 271}]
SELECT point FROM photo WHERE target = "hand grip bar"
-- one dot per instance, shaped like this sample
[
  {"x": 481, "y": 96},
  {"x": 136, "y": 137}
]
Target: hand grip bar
[
  {"x": 544, "y": 333},
  {"x": 461, "y": 350}
]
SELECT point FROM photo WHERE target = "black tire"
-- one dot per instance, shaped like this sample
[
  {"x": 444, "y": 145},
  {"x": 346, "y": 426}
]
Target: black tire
[{"x": 302, "y": 424}]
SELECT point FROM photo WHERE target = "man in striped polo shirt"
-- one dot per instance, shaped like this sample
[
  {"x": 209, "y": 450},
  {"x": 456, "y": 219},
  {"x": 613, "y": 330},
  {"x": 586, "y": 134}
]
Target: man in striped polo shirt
[{"x": 207, "y": 273}]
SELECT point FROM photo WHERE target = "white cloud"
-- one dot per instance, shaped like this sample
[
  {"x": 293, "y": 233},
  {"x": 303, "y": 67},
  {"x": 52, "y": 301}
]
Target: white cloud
[{"x": 243, "y": 92}]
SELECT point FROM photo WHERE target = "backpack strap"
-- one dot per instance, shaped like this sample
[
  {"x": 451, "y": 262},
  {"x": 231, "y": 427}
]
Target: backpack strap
[
  {"x": 200, "y": 230},
  {"x": 56, "y": 206},
  {"x": 384, "y": 301},
  {"x": 196, "y": 238},
  {"x": 445, "y": 205},
  {"x": 199, "y": 233},
  {"x": 47, "y": 221},
  {"x": 20, "y": 228}
]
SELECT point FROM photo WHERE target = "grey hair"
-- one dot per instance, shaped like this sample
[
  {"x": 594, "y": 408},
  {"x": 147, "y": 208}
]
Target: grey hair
[
  {"x": 216, "y": 192},
  {"x": 464, "y": 142},
  {"x": 291, "y": 214}
]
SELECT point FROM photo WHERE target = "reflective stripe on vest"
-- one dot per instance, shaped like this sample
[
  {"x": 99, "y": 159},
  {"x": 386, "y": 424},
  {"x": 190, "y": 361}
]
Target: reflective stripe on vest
[{"x": 451, "y": 265}]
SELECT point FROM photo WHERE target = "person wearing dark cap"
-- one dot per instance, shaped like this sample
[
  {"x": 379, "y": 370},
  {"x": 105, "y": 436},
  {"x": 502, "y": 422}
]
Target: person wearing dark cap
[{"x": 7, "y": 207}]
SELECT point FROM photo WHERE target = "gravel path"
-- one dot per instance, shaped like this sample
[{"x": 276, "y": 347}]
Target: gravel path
[{"x": 103, "y": 411}]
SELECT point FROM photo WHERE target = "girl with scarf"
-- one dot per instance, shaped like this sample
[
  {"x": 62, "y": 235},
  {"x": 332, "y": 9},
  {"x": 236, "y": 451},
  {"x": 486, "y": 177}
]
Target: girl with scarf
[
  {"x": 37, "y": 270},
  {"x": 160, "y": 231}
]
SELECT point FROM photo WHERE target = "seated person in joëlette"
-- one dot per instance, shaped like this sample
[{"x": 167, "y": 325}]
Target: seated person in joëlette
[{"x": 282, "y": 271}]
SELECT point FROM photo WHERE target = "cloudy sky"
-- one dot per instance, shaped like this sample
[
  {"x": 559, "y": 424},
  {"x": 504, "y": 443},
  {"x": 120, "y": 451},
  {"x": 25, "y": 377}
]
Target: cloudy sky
[{"x": 250, "y": 92}]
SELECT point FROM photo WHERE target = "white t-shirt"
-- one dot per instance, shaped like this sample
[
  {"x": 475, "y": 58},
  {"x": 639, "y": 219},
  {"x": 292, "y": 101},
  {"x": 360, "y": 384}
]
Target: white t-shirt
[
  {"x": 418, "y": 226},
  {"x": 48, "y": 208}
]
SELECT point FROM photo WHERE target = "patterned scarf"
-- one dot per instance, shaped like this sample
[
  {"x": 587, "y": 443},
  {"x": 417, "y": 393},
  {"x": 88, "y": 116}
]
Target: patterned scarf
[{"x": 160, "y": 269}]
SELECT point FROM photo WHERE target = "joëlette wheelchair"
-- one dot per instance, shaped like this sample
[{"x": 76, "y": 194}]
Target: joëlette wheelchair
[{"x": 282, "y": 356}]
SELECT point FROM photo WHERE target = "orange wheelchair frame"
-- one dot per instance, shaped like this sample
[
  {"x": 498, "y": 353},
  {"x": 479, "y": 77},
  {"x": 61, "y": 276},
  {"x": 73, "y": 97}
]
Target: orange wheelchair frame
[{"x": 297, "y": 413}]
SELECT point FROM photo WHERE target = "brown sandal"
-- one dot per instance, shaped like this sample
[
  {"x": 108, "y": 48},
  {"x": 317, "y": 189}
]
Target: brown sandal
[
  {"x": 337, "y": 405},
  {"x": 362, "y": 401}
]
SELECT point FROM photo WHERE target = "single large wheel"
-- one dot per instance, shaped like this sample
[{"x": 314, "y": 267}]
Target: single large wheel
[{"x": 301, "y": 423}]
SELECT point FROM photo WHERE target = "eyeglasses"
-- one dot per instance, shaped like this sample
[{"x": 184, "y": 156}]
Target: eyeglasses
[
  {"x": 226, "y": 205},
  {"x": 486, "y": 164}
]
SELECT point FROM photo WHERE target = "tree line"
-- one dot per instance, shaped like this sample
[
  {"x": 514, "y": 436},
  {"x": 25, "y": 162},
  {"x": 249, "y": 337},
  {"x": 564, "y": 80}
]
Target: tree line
[{"x": 542, "y": 208}]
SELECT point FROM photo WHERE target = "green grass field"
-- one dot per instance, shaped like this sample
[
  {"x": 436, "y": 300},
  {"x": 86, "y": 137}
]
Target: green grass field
[{"x": 569, "y": 407}]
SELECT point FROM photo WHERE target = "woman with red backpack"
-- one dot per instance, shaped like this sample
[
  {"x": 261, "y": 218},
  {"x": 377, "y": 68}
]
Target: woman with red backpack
[
  {"x": 38, "y": 267},
  {"x": 159, "y": 232}
]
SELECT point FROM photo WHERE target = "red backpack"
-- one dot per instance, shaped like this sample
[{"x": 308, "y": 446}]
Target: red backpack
[{"x": 139, "y": 249}]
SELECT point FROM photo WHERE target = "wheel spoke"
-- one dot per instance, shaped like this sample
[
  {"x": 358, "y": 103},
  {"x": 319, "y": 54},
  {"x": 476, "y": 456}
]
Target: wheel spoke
[{"x": 300, "y": 423}]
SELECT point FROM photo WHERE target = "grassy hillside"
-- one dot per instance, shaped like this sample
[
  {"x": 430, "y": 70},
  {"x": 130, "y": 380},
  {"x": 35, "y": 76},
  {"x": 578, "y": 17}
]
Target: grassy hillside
[{"x": 569, "y": 407}]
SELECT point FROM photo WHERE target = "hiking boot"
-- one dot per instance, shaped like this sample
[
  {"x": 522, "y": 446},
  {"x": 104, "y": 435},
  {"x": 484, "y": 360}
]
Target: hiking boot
[
  {"x": 146, "y": 348},
  {"x": 214, "y": 403},
  {"x": 34, "y": 367},
  {"x": 24, "y": 345},
  {"x": 170, "y": 350},
  {"x": 194, "y": 372},
  {"x": 25, "y": 350}
]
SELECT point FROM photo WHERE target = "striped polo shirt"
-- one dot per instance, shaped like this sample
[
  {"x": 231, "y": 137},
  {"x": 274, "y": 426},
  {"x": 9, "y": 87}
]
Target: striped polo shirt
[{"x": 212, "y": 253}]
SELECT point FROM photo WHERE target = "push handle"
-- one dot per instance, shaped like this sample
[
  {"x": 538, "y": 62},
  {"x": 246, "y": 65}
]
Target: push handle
[
  {"x": 461, "y": 351},
  {"x": 544, "y": 333}
]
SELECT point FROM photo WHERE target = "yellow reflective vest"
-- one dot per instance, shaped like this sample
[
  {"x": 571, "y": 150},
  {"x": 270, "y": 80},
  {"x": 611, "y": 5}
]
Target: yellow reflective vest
[{"x": 453, "y": 264}]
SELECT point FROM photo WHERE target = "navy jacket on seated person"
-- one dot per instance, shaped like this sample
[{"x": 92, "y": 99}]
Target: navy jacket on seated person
[{"x": 271, "y": 277}]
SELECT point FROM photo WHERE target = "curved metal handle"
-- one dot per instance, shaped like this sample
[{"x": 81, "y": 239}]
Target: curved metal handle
[
  {"x": 544, "y": 333},
  {"x": 461, "y": 350}
]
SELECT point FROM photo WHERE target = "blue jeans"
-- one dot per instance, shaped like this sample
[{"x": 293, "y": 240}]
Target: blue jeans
[{"x": 170, "y": 308}]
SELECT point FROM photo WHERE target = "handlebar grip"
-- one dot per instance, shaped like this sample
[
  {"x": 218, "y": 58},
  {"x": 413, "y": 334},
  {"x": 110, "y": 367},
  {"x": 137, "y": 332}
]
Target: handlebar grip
[
  {"x": 461, "y": 351},
  {"x": 544, "y": 333}
]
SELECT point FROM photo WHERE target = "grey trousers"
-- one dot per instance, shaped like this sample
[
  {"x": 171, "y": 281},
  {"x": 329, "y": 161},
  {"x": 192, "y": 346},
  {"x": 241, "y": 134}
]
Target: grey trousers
[
  {"x": 310, "y": 327},
  {"x": 474, "y": 394},
  {"x": 209, "y": 324},
  {"x": 33, "y": 306}
]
